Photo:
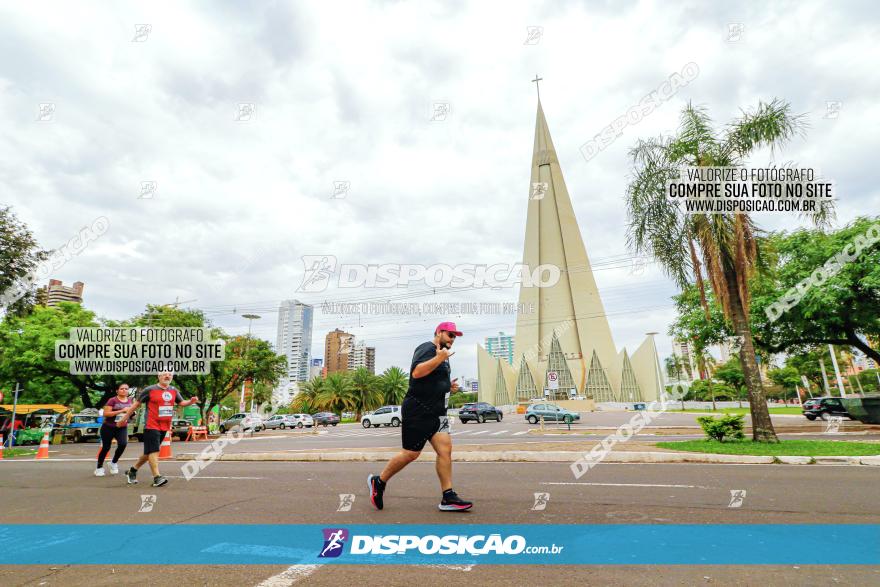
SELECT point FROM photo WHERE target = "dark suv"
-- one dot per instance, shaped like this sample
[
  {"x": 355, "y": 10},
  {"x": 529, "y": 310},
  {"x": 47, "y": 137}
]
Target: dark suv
[
  {"x": 825, "y": 408},
  {"x": 479, "y": 411}
]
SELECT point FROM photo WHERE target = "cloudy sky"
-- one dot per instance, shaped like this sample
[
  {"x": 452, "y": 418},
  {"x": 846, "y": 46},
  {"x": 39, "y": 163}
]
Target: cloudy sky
[{"x": 96, "y": 107}]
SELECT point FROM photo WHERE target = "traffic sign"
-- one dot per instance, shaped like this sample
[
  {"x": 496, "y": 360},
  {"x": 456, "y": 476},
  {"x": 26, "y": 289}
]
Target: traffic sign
[{"x": 552, "y": 380}]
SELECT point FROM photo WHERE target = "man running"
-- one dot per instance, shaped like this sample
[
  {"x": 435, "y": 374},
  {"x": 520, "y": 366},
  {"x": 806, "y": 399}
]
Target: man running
[
  {"x": 424, "y": 418},
  {"x": 160, "y": 400},
  {"x": 114, "y": 410}
]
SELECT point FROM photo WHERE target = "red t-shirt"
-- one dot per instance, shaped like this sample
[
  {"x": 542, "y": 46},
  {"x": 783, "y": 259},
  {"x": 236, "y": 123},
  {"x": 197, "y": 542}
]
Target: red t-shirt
[{"x": 160, "y": 406}]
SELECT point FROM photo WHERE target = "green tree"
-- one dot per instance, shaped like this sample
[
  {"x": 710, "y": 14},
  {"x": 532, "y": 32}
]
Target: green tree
[
  {"x": 393, "y": 383},
  {"x": 19, "y": 257},
  {"x": 843, "y": 310},
  {"x": 731, "y": 373},
  {"x": 724, "y": 246}
]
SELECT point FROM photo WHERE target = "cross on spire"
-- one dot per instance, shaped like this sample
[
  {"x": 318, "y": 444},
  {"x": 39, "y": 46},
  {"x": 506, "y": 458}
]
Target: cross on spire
[{"x": 537, "y": 85}]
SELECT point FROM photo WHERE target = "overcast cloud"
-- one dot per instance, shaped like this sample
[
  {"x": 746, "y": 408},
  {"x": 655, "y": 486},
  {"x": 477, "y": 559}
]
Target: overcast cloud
[{"x": 344, "y": 92}]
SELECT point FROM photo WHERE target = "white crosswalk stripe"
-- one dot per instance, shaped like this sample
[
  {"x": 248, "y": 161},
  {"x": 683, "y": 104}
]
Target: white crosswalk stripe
[
  {"x": 497, "y": 433},
  {"x": 520, "y": 433},
  {"x": 480, "y": 432}
]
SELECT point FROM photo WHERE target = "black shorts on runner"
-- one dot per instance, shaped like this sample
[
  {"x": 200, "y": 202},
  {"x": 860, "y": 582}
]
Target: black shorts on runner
[
  {"x": 417, "y": 430},
  {"x": 152, "y": 440}
]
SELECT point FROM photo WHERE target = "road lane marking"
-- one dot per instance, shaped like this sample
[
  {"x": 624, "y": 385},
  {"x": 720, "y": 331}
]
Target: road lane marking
[
  {"x": 290, "y": 576},
  {"x": 520, "y": 433},
  {"x": 626, "y": 485},
  {"x": 497, "y": 433},
  {"x": 205, "y": 477},
  {"x": 480, "y": 432}
]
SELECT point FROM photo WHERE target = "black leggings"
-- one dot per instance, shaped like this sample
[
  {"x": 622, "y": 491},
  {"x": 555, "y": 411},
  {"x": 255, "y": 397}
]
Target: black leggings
[{"x": 108, "y": 433}]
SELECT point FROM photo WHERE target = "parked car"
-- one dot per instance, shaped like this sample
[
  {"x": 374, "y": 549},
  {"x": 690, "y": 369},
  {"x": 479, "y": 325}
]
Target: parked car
[
  {"x": 300, "y": 420},
  {"x": 180, "y": 428},
  {"x": 824, "y": 408},
  {"x": 325, "y": 419},
  {"x": 278, "y": 421},
  {"x": 82, "y": 427},
  {"x": 252, "y": 422},
  {"x": 550, "y": 412},
  {"x": 480, "y": 412},
  {"x": 387, "y": 415}
]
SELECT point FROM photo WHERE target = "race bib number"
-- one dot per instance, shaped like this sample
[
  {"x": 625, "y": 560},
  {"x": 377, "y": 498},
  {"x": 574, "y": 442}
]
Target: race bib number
[
  {"x": 166, "y": 411},
  {"x": 118, "y": 417}
]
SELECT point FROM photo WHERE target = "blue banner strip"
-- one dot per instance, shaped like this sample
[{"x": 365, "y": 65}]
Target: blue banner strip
[{"x": 252, "y": 544}]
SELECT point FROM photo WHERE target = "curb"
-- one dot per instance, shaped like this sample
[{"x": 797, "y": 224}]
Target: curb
[{"x": 525, "y": 456}]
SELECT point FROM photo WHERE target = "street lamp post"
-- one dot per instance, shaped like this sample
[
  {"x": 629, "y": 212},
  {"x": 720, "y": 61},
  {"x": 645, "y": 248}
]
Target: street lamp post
[{"x": 250, "y": 318}]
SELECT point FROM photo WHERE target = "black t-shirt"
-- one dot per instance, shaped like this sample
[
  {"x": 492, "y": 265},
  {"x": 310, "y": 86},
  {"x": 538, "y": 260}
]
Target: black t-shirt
[{"x": 427, "y": 396}]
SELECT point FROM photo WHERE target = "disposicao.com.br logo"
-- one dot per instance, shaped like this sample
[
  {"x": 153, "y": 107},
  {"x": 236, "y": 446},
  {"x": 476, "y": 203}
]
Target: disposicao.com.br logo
[
  {"x": 451, "y": 544},
  {"x": 320, "y": 271}
]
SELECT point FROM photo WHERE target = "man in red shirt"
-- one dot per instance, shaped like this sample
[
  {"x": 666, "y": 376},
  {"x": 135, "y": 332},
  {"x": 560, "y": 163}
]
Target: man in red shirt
[{"x": 160, "y": 400}]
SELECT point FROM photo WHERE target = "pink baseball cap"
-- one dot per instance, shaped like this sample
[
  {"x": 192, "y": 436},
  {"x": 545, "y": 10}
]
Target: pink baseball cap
[{"x": 448, "y": 327}]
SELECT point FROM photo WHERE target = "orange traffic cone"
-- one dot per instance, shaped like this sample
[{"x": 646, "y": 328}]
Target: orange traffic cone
[
  {"x": 43, "y": 453},
  {"x": 2, "y": 439},
  {"x": 165, "y": 448}
]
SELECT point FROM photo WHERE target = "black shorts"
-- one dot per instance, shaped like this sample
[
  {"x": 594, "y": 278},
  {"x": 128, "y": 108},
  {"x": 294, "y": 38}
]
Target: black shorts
[
  {"x": 152, "y": 440},
  {"x": 417, "y": 430}
]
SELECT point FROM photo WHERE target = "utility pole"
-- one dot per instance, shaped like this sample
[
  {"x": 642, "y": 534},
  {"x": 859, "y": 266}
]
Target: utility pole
[{"x": 250, "y": 318}]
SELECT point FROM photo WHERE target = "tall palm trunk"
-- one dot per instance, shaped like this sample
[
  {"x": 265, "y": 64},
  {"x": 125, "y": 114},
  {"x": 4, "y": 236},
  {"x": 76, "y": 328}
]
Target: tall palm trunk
[{"x": 762, "y": 427}]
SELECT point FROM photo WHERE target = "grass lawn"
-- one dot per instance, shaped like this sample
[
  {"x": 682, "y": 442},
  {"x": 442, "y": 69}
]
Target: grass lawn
[
  {"x": 19, "y": 452},
  {"x": 807, "y": 448},
  {"x": 781, "y": 410}
]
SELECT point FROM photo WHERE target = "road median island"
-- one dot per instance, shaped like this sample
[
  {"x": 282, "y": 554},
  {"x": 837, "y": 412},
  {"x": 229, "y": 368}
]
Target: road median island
[{"x": 551, "y": 456}]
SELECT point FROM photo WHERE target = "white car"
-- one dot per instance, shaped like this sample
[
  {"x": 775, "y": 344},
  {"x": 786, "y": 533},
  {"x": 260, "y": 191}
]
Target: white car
[
  {"x": 387, "y": 415},
  {"x": 300, "y": 420}
]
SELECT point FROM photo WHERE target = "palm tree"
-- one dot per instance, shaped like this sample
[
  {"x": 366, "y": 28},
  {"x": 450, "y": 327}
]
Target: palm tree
[
  {"x": 393, "y": 383},
  {"x": 725, "y": 246},
  {"x": 337, "y": 393},
  {"x": 366, "y": 391},
  {"x": 306, "y": 401}
]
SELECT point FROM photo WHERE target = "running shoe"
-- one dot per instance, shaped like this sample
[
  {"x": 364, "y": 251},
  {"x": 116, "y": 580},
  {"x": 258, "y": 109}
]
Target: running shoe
[
  {"x": 377, "y": 488},
  {"x": 131, "y": 476},
  {"x": 99, "y": 472},
  {"x": 114, "y": 469},
  {"x": 159, "y": 481},
  {"x": 452, "y": 503}
]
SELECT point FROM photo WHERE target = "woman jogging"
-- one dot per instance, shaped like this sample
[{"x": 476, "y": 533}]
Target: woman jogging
[{"x": 114, "y": 410}]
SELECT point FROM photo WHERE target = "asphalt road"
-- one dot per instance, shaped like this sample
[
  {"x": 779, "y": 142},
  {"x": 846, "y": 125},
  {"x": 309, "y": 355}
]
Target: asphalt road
[
  {"x": 64, "y": 491},
  {"x": 511, "y": 430}
]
